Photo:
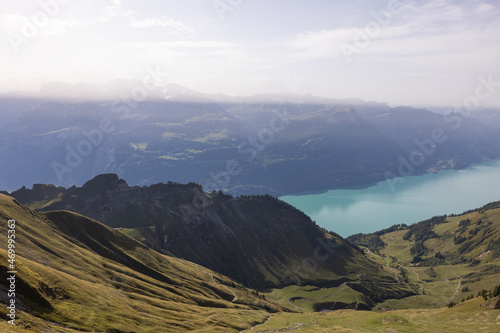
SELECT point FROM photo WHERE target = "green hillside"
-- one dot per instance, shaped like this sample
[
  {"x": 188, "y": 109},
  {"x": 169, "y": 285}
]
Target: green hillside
[
  {"x": 446, "y": 258},
  {"x": 76, "y": 274},
  {"x": 474, "y": 315},
  {"x": 456, "y": 286}
]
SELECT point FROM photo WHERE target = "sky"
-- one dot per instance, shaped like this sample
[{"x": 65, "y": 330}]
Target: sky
[{"x": 402, "y": 52}]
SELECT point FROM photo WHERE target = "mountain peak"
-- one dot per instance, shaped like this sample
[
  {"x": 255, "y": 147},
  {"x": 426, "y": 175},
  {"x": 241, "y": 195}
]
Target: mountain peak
[{"x": 108, "y": 181}]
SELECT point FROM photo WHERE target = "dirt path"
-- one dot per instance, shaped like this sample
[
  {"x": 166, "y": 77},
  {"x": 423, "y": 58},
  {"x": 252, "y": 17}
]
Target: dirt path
[
  {"x": 295, "y": 306},
  {"x": 392, "y": 269},
  {"x": 458, "y": 286},
  {"x": 234, "y": 294},
  {"x": 285, "y": 329},
  {"x": 268, "y": 318},
  {"x": 229, "y": 289},
  {"x": 418, "y": 279},
  {"x": 415, "y": 272}
]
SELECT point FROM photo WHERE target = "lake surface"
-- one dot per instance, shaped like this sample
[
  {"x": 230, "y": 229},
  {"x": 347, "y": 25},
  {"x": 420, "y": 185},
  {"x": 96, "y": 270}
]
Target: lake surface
[{"x": 413, "y": 199}]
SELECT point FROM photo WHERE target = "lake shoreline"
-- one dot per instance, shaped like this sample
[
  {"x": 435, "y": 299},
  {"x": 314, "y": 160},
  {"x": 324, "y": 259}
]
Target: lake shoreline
[
  {"x": 375, "y": 183},
  {"x": 418, "y": 197}
]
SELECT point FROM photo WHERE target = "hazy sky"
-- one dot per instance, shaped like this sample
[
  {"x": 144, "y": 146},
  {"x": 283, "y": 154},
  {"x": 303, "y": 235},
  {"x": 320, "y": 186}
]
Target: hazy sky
[{"x": 401, "y": 52}]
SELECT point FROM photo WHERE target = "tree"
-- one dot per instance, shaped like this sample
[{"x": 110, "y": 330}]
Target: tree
[
  {"x": 496, "y": 291},
  {"x": 439, "y": 256}
]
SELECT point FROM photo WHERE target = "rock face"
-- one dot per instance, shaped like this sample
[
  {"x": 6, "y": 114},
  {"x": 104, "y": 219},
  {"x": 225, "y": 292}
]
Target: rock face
[{"x": 257, "y": 240}]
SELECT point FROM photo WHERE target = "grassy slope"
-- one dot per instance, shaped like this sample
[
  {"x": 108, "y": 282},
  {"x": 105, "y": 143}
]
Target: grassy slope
[
  {"x": 129, "y": 296},
  {"x": 77, "y": 274},
  {"x": 447, "y": 285},
  {"x": 424, "y": 312},
  {"x": 465, "y": 317}
]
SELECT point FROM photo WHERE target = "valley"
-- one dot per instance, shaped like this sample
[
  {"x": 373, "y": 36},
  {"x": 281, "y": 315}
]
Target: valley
[
  {"x": 399, "y": 278},
  {"x": 449, "y": 281}
]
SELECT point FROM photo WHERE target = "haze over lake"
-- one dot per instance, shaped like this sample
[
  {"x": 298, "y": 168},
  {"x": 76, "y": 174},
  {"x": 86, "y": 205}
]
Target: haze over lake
[{"x": 414, "y": 198}]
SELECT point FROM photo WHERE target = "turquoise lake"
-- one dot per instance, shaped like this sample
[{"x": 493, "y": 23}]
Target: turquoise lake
[{"x": 412, "y": 199}]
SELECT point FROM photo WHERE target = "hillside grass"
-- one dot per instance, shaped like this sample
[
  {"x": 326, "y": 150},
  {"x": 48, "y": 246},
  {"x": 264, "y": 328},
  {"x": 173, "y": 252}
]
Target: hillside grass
[
  {"x": 75, "y": 274},
  {"x": 435, "y": 286},
  {"x": 465, "y": 317},
  {"x": 305, "y": 298}
]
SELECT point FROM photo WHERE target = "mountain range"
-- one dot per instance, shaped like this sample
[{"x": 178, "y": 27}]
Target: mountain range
[
  {"x": 264, "y": 144},
  {"x": 199, "y": 240}
]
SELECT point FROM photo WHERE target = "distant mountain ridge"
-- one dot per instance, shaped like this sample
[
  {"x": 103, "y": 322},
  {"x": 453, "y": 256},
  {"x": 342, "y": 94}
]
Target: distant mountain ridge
[{"x": 265, "y": 144}]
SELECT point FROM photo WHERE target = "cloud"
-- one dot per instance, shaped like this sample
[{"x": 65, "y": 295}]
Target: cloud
[
  {"x": 321, "y": 44},
  {"x": 434, "y": 27},
  {"x": 116, "y": 11},
  {"x": 61, "y": 26},
  {"x": 20, "y": 24},
  {"x": 181, "y": 51},
  {"x": 183, "y": 44},
  {"x": 165, "y": 22},
  {"x": 484, "y": 7},
  {"x": 13, "y": 22}
]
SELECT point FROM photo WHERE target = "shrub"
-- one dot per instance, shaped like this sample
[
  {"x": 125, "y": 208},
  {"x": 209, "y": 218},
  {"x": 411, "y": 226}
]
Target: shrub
[{"x": 431, "y": 272}]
